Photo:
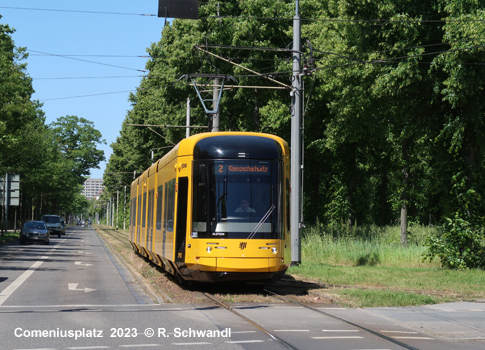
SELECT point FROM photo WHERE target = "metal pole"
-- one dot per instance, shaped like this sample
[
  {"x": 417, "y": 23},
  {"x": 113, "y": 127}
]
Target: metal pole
[
  {"x": 215, "y": 117},
  {"x": 7, "y": 200},
  {"x": 295, "y": 143},
  {"x": 4, "y": 203},
  {"x": 112, "y": 211},
  {"x": 117, "y": 207},
  {"x": 187, "y": 130}
]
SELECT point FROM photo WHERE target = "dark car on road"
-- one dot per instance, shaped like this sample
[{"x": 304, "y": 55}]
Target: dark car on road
[{"x": 34, "y": 231}]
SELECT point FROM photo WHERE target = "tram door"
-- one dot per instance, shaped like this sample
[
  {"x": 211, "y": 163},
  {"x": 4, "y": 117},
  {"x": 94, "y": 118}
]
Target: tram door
[
  {"x": 151, "y": 197},
  {"x": 144, "y": 217},
  {"x": 138, "y": 219},
  {"x": 168, "y": 217}
]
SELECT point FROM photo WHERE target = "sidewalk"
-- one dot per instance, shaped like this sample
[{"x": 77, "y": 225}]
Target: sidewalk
[{"x": 462, "y": 322}]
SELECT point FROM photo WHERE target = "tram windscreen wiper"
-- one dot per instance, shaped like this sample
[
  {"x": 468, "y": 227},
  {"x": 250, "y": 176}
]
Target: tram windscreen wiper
[
  {"x": 222, "y": 211},
  {"x": 261, "y": 222},
  {"x": 222, "y": 199}
]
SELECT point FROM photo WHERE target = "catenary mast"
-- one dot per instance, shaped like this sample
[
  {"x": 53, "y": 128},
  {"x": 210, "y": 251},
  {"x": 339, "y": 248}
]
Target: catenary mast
[{"x": 295, "y": 198}]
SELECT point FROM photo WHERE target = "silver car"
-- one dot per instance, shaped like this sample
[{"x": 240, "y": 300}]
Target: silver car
[
  {"x": 34, "y": 231},
  {"x": 53, "y": 223}
]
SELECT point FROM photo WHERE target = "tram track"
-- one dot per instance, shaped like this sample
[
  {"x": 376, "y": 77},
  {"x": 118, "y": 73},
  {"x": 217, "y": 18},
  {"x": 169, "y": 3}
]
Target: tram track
[
  {"x": 119, "y": 236},
  {"x": 251, "y": 322},
  {"x": 285, "y": 299},
  {"x": 380, "y": 335}
]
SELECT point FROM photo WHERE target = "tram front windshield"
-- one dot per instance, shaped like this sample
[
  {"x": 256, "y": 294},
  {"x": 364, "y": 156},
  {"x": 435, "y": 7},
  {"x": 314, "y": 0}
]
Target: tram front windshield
[{"x": 237, "y": 199}]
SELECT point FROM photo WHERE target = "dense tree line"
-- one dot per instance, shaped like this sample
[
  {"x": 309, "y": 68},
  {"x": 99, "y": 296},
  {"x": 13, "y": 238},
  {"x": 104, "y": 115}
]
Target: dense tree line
[
  {"x": 393, "y": 110},
  {"x": 52, "y": 160}
]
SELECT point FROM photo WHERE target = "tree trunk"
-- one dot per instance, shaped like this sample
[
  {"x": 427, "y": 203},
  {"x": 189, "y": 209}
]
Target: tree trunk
[
  {"x": 404, "y": 195},
  {"x": 404, "y": 224}
]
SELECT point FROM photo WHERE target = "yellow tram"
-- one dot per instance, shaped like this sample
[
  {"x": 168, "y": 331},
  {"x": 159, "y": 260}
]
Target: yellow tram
[{"x": 215, "y": 208}]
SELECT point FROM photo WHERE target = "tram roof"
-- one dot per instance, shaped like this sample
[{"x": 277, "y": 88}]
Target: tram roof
[{"x": 186, "y": 148}]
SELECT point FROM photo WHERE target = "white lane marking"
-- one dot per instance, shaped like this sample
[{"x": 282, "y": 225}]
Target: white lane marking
[
  {"x": 340, "y": 330},
  {"x": 7, "y": 292},
  {"x": 139, "y": 345},
  {"x": 88, "y": 347},
  {"x": 337, "y": 337},
  {"x": 399, "y": 332},
  {"x": 73, "y": 286},
  {"x": 418, "y": 338},
  {"x": 243, "y": 341},
  {"x": 38, "y": 349},
  {"x": 292, "y": 330},
  {"x": 200, "y": 343},
  {"x": 406, "y": 337},
  {"x": 81, "y": 263},
  {"x": 239, "y": 332}
]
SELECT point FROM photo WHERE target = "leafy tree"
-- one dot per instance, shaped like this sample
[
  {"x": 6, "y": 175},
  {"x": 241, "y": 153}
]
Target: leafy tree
[
  {"x": 23, "y": 141},
  {"x": 376, "y": 109},
  {"x": 459, "y": 151},
  {"x": 16, "y": 109},
  {"x": 78, "y": 139}
]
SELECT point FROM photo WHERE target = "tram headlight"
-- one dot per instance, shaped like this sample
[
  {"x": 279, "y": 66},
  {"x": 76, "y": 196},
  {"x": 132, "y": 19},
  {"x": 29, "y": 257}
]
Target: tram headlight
[
  {"x": 209, "y": 249},
  {"x": 274, "y": 250}
]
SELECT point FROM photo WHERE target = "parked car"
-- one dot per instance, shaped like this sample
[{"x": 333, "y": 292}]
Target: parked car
[
  {"x": 34, "y": 231},
  {"x": 53, "y": 223}
]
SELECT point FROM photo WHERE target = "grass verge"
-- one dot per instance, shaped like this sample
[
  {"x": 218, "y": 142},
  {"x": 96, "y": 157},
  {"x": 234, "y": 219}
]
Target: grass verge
[
  {"x": 369, "y": 268},
  {"x": 9, "y": 237}
]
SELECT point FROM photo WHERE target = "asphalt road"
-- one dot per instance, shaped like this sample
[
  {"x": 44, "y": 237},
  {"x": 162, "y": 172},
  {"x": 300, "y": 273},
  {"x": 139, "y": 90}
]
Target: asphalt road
[{"x": 74, "y": 294}]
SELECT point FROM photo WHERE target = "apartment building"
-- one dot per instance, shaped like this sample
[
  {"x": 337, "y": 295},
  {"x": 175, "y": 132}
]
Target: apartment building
[{"x": 92, "y": 188}]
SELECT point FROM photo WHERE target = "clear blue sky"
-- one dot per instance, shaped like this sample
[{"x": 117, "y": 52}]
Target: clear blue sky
[{"x": 70, "y": 86}]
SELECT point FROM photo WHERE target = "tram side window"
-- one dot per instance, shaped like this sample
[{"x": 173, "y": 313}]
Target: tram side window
[
  {"x": 159, "y": 207},
  {"x": 151, "y": 197},
  {"x": 132, "y": 212},
  {"x": 139, "y": 210},
  {"x": 143, "y": 218},
  {"x": 169, "y": 205}
]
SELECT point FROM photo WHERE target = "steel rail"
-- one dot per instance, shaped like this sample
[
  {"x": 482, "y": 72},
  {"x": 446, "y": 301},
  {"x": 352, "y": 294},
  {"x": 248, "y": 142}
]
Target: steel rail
[
  {"x": 251, "y": 322},
  {"x": 342, "y": 320}
]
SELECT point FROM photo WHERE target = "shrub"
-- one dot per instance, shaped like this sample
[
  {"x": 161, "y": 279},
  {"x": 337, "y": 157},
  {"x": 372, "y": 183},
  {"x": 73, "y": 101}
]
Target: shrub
[{"x": 458, "y": 245}]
